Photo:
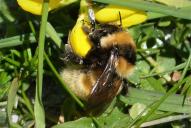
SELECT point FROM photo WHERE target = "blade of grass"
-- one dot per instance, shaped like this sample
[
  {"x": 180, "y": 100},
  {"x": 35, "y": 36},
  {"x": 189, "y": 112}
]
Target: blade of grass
[
  {"x": 186, "y": 67},
  {"x": 11, "y": 61},
  {"x": 178, "y": 108},
  {"x": 188, "y": 93},
  {"x": 28, "y": 103},
  {"x": 153, "y": 15},
  {"x": 138, "y": 117},
  {"x": 32, "y": 27},
  {"x": 3, "y": 118},
  {"x": 154, "y": 64},
  {"x": 178, "y": 67},
  {"x": 164, "y": 120},
  {"x": 20, "y": 39},
  {"x": 62, "y": 82},
  {"x": 11, "y": 99},
  {"x": 153, "y": 96},
  {"x": 186, "y": 87},
  {"x": 151, "y": 6},
  {"x": 16, "y": 40},
  {"x": 172, "y": 104},
  {"x": 154, "y": 107},
  {"x": 38, "y": 106},
  {"x": 53, "y": 34},
  {"x": 156, "y": 84},
  {"x": 83, "y": 122}
]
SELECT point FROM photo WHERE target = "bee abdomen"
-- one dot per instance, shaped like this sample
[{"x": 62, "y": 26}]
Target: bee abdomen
[{"x": 79, "y": 81}]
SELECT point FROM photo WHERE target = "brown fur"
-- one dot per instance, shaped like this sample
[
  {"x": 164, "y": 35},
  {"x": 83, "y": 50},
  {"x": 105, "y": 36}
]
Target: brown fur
[
  {"x": 74, "y": 79},
  {"x": 87, "y": 82},
  {"x": 89, "y": 79},
  {"x": 123, "y": 68},
  {"x": 119, "y": 38},
  {"x": 79, "y": 81}
]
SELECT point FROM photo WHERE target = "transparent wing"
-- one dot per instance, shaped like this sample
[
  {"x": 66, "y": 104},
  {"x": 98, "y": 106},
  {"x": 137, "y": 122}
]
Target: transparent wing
[{"x": 107, "y": 85}]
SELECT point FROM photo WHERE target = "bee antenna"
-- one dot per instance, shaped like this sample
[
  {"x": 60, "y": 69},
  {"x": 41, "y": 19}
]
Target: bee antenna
[{"x": 120, "y": 19}]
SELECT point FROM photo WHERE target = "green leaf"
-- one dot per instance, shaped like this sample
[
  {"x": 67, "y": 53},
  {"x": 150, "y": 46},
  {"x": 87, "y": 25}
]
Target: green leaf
[
  {"x": 80, "y": 123},
  {"x": 172, "y": 104},
  {"x": 154, "y": 15},
  {"x": 164, "y": 23},
  {"x": 38, "y": 106},
  {"x": 3, "y": 119},
  {"x": 156, "y": 84},
  {"x": 11, "y": 98},
  {"x": 142, "y": 68},
  {"x": 4, "y": 83},
  {"x": 4, "y": 9},
  {"x": 164, "y": 63},
  {"x": 152, "y": 7},
  {"x": 16, "y": 40},
  {"x": 115, "y": 119},
  {"x": 53, "y": 34},
  {"x": 175, "y": 3},
  {"x": 137, "y": 109}
]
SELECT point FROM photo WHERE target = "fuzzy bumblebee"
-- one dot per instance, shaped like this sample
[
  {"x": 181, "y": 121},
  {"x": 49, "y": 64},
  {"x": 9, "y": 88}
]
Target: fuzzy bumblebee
[{"x": 108, "y": 56}]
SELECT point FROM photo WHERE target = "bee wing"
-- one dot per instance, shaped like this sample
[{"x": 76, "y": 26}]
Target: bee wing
[{"x": 107, "y": 85}]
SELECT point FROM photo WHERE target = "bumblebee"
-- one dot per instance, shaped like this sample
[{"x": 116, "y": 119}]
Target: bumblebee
[{"x": 110, "y": 59}]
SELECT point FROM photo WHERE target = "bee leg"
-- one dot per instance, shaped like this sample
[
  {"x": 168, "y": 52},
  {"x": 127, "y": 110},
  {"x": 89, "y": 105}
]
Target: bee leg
[
  {"x": 124, "y": 87},
  {"x": 69, "y": 56}
]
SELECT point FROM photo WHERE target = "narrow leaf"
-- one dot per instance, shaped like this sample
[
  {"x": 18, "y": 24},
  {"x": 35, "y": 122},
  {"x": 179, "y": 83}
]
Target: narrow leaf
[
  {"x": 38, "y": 106},
  {"x": 151, "y": 6},
  {"x": 11, "y": 98}
]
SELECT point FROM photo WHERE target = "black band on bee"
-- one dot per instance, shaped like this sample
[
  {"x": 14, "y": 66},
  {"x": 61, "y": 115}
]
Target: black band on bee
[
  {"x": 103, "y": 30},
  {"x": 128, "y": 52}
]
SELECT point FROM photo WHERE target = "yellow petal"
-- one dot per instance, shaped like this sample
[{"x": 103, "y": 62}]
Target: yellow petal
[
  {"x": 134, "y": 19},
  {"x": 111, "y": 13},
  {"x": 35, "y": 6},
  {"x": 79, "y": 39}
]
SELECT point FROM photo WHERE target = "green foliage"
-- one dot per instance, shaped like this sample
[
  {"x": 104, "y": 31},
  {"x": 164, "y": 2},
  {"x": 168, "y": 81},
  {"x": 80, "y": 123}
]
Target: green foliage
[{"x": 112, "y": 120}]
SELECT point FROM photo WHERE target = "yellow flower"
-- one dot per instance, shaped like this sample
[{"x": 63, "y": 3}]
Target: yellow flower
[
  {"x": 110, "y": 14},
  {"x": 79, "y": 39},
  {"x": 35, "y": 6}
]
